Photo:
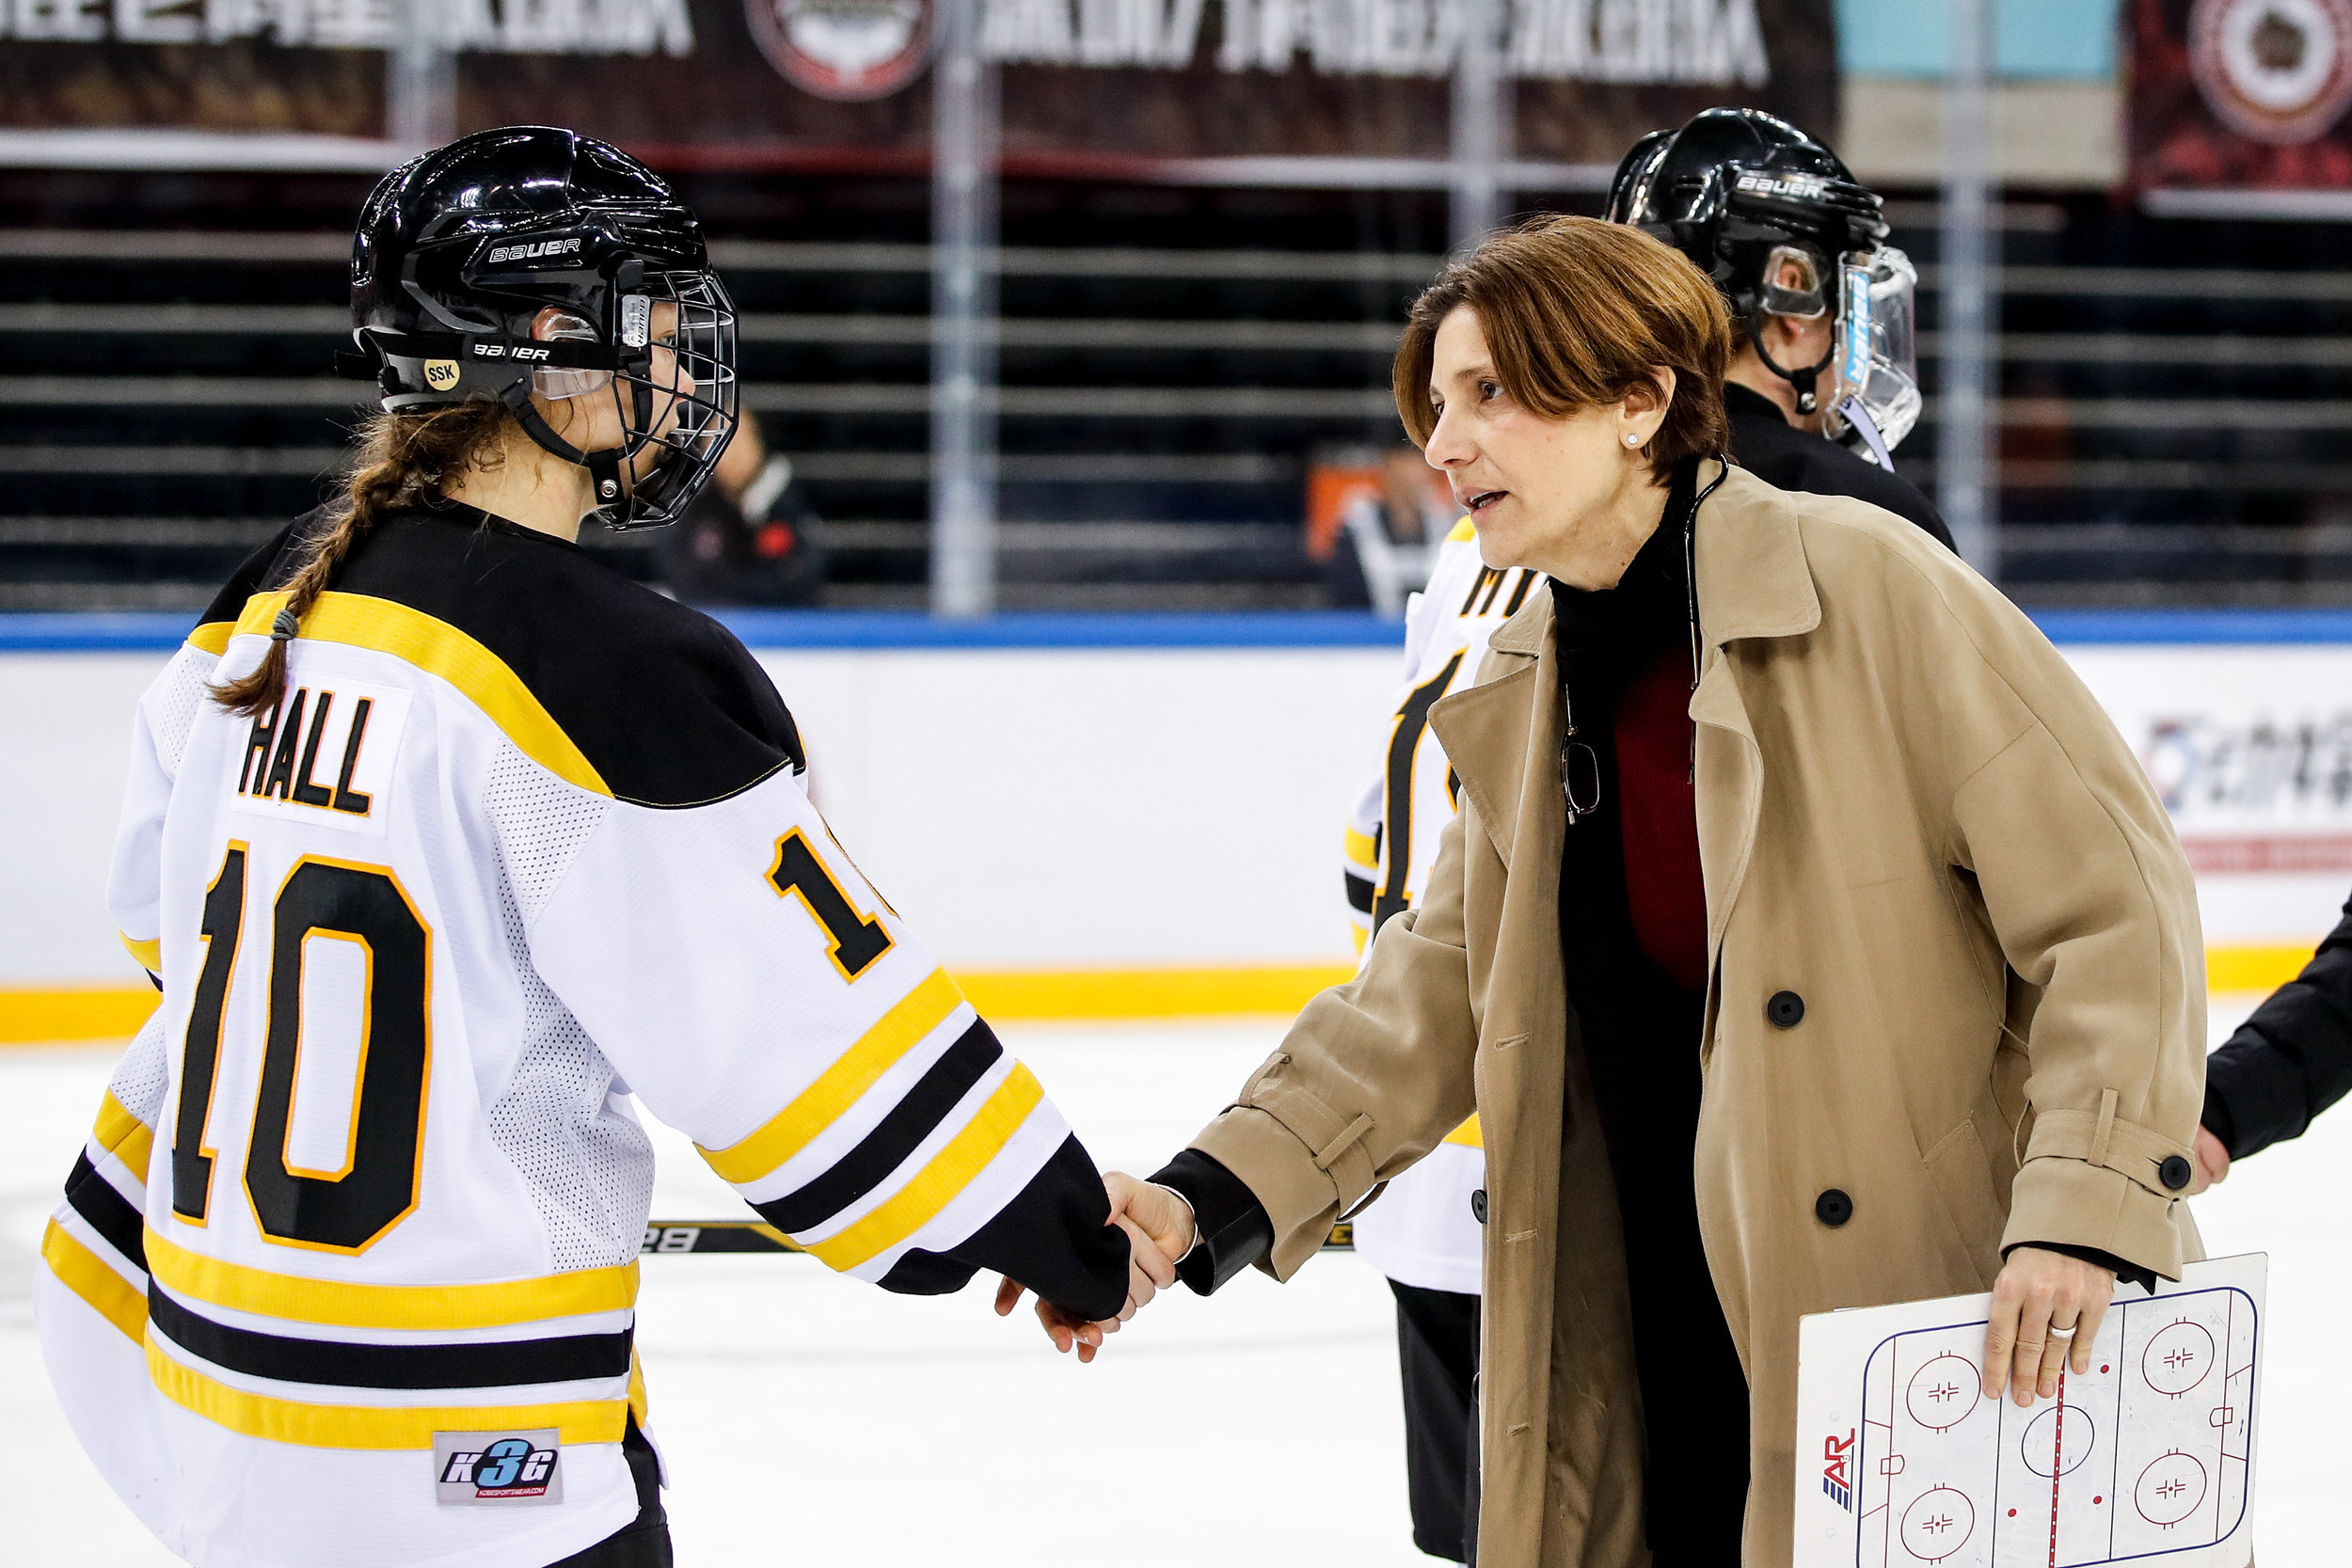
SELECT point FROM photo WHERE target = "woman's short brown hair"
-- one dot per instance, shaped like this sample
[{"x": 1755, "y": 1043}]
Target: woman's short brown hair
[{"x": 1578, "y": 312}]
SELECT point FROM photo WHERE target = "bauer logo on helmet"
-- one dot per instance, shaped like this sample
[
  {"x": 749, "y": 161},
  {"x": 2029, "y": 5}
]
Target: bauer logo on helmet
[{"x": 536, "y": 250}]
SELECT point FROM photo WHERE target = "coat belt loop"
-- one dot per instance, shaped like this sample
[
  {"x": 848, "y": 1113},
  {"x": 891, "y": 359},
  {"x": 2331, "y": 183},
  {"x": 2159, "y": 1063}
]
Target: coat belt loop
[
  {"x": 2106, "y": 1128},
  {"x": 1330, "y": 1152},
  {"x": 1347, "y": 1148}
]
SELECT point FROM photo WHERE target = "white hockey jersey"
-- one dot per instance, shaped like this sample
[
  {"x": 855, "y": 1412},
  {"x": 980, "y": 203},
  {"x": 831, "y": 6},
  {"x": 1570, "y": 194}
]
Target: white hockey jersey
[
  {"x": 1422, "y": 1231},
  {"x": 345, "y": 1272}
]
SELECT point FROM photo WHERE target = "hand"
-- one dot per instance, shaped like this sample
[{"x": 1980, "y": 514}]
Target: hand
[
  {"x": 1160, "y": 1214},
  {"x": 1149, "y": 1270},
  {"x": 2039, "y": 1292},
  {"x": 1066, "y": 1329},
  {"x": 2213, "y": 1162}
]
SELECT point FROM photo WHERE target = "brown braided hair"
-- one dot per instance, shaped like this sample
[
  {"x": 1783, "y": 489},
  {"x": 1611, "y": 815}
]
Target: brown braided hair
[{"x": 403, "y": 459}]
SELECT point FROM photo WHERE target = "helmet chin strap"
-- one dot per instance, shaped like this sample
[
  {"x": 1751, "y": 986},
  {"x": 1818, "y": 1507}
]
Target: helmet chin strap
[
  {"x": 1809, "y": 398},
  {"x": 603, "y": 464}
]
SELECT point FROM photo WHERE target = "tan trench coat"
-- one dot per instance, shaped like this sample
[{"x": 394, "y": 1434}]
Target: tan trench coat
[{"x": 1911, "y": 814}]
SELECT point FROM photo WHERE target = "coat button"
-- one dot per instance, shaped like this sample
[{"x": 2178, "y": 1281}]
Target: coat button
[
  {"x": 1786, "y": 1010},
  {"x": 1832, "y": 1208},
  {"x": 1478, "y": 1205},
  {"x": 2174, "y": 1173}
]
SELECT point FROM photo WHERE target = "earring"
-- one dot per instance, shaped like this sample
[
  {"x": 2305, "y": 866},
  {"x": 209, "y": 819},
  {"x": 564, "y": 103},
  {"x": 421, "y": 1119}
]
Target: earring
[{"x": 1631, "y": 439}]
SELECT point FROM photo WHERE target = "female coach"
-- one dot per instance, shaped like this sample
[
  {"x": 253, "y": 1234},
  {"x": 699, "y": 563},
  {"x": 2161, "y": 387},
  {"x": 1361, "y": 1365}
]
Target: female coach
[{"x": 1807, "y": 939}]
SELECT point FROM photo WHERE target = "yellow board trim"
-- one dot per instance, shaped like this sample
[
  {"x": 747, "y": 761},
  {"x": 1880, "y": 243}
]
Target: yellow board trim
[
  {"x": 149, "y": 954},
  {"x": 84, "y": 1273},
  {"x": 359, "y": 1426},
  {"x": 951, "y": 1170},
  {"x": 1150, "y": 993},
  {"x": 440, "y": 649},
  {"x": 242, "y": 1288},
  {"x": 1462, "y": 531},
  {"x": 64, "y": 1013},
  {"x": 2264, "y": 969},
  {"x": 1361, "y": 850},
  {"x": 212, "y": 637},
  {"x": 1467, "y": 1135},
  {"x": 61, "y": 1015},
  {"x": 817, "y": 1107},
  {"x": 124, "y": 1135}
]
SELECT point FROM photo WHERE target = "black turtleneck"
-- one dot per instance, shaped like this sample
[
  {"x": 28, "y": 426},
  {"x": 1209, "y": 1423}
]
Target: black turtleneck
[{"x": 1638, "y": 1009}]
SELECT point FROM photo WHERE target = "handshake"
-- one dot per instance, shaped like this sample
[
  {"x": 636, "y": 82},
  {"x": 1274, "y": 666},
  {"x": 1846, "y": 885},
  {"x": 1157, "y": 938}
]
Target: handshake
[{"x": 1159, "y": 1229}]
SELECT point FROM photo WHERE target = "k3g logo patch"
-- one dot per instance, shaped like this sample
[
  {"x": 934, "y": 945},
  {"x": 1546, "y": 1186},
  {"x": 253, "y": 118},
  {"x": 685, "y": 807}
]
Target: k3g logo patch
[{"x": 475, "y": 1468}]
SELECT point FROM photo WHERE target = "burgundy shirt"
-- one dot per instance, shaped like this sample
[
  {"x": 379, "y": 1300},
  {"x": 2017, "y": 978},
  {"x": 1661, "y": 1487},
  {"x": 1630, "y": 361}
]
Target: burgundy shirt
[{"x": 1665, "y": 895}]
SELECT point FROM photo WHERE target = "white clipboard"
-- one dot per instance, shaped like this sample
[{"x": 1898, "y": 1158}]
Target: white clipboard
[{"x": 2149, "y": 1459}]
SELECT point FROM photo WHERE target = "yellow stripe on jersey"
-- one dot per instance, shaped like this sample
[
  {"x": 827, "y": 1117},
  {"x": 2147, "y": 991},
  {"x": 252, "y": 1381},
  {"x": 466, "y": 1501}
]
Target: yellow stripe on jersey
[
  {"x": 124, "y": 1135},
  {"x": 1467, "y": 1134},
  {"x": 637, "y": 1400},
  {"x": 1360, "y": 850},
  {"x": 951, "y": 1170},
  {"x": 149, "y": 954},
  {"x": 81, "y": 1272},
  {"x": 1462, "y": 531},
  {"x": 347, "y": 1306},
  {"x": 212, "y": 637},
  {"x": 440, "y": 649},
  {"x": 788, "y": 1131},
  {"x": 362, "y": 1425}
]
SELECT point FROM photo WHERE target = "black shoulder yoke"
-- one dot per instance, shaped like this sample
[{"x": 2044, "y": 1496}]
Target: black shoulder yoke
[{"x": 664, "y": 701}]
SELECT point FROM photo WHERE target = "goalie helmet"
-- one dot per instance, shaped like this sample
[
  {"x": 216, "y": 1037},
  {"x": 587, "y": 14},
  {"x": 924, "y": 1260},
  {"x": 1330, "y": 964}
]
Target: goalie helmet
[
  {"x": 1784, "y": 229},
  {"x": 460, "y": 252}
]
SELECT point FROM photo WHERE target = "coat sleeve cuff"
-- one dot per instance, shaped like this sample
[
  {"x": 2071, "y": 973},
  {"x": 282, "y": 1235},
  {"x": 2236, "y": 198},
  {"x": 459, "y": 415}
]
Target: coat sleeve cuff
[
  {"x": 2073, "y": 1203},
  {"x": 1300, "y": 1196},
  {"x": 1230, "y": 1226}
]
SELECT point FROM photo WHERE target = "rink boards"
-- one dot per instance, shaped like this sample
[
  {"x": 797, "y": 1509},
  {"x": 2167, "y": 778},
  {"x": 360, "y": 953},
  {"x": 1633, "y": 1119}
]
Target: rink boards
[{"x": 1092, "y": 816}]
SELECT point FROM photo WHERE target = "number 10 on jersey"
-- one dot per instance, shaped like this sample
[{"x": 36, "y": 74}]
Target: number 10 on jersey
[{"x": 344, "y": 1210}]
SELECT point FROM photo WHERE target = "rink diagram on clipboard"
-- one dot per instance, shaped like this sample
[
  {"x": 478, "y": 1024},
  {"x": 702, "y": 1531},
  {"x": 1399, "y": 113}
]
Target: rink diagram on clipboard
[{"x": 2146, "y": 1455}]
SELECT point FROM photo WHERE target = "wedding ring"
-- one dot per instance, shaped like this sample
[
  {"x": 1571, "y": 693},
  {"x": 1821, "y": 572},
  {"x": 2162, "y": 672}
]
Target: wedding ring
[{"x": 2057, "y": 1333}]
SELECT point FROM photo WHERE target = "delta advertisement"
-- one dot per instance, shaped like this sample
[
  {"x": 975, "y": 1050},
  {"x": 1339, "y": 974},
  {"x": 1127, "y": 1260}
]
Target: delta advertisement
[{"x": 738, "y": 81}]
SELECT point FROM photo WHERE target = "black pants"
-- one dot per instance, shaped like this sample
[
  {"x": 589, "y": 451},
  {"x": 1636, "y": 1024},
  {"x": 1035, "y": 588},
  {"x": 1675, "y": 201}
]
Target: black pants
[
  {"x": 644, "y": 1543},
  {"x": 1437, "y": 1346}
]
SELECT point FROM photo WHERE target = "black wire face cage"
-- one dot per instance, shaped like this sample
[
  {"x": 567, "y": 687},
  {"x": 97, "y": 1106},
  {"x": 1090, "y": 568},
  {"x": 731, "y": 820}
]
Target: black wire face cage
[{"x": 691, "y": 428}]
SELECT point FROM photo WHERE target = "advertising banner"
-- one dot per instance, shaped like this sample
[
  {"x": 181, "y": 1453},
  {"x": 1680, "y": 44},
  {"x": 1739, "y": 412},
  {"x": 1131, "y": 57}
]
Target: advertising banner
[
  {"x": 743, "y": 81},
  {"x": 2250, "y": 748},
  {"x": 2239, "y": 94}
]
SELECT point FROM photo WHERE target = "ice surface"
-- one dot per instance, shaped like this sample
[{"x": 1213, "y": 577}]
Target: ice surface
[{"x": 807, "y": 1419}]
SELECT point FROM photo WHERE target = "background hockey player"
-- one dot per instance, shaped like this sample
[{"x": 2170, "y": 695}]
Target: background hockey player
[
  {"x": 1424, "y": 1232},
  {"x": 443, "y": 840},
  {"x": 1821, "y": 306}
]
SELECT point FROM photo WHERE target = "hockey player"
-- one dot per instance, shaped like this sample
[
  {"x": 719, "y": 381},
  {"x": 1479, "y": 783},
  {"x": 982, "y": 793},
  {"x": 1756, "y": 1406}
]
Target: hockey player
[
  {"x": 1821, "y": 305},
  {"x": 443, "y": 840},
  {"x": 1424, "y": 1232}
]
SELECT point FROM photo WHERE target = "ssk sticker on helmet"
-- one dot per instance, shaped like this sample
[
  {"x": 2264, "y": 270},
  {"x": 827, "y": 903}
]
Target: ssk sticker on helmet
[
  {"x": 504, "y": 1469},
  {"x": 441, "y": 374}
]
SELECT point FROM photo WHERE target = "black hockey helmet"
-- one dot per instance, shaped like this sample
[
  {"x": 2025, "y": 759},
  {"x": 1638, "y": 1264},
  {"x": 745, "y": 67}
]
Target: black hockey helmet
[
  {"x": 459, "y": 252},
  {"x": 1741, "y": 193}
]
